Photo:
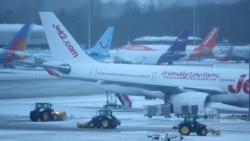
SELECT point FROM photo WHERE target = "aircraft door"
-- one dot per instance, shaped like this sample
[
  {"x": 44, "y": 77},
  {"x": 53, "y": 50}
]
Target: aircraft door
[
  {"x": 153, "y": 78},
  {"x": 93, "y": 72}
]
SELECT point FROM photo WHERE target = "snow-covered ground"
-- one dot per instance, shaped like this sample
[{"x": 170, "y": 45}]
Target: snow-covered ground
[
  {"x": 15, "y": 124},
  {"x": 81, "y": 108}
]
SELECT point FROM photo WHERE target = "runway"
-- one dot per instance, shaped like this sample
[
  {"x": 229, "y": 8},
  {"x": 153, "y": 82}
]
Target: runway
[{"x": 19, "y": 92}]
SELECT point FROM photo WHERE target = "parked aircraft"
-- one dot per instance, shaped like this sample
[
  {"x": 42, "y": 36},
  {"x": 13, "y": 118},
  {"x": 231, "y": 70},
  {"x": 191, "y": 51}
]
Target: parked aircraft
[
  {"x": 98, "y": 52},
  {"x": 178, "y": 84},
  {"x": 101, "y": 49},
  {"x": 145, "y": 55},
  {"x": 39, "y": 56},
  {"x": 14, "y": 50},
  {"x": 205, "y": 48},
  {"x": 235, "y": 53}
]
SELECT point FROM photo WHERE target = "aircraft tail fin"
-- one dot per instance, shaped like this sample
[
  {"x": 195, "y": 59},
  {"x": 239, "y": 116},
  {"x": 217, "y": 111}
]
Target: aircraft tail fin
[
  {"x": 210, "y": 41},
  {"x": 102, "y": 46},
  {"x": 20, "y": 40},
  {"x": 181, "y": 41},
  {"x": 62, "y": 45}
]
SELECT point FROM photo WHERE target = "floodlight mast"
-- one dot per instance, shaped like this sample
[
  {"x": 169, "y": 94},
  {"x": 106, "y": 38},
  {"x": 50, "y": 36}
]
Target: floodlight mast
[
  {"x": 89, "y": 24},
  {"x": 195, "y": 4},
  {"x": 248, "y": 89}
]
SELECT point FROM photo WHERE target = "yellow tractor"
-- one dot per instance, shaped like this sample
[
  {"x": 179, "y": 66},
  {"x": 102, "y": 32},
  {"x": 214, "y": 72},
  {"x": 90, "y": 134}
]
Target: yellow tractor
[{"x": 44, "y": 112}]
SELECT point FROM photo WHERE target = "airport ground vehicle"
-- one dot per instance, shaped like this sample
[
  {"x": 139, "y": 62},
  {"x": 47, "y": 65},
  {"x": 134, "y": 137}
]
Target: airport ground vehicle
[
  {"x": 190, "y": 124},
  {"x": 157, "y": 110},
  {"x": 182, "y": 110},
  {"x": 44, "y": 112},
  {"x": 165, "y": 136},
  {"x": 103, "y": 119}
]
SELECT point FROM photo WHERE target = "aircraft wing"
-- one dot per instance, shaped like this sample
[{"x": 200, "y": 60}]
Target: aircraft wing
[
  {"x": 165, "y": 88},
  {"x": 151, "y": 87},
  {"x": 206, "y": 89}
]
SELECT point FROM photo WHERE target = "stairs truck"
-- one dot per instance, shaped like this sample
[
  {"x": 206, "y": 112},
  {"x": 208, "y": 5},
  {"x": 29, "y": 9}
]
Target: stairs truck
[{"x": 112, "y": 100}]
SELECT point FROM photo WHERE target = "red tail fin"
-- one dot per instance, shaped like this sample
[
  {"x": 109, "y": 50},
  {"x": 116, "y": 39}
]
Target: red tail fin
[
  {"x": 210, "y": 40},
  {"x": 206, "y": 46}
]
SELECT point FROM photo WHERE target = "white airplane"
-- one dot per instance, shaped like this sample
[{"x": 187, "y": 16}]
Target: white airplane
[
  {"x": 235, "y": 53},
  {"x": 178, "y": 84},
  {"x": 143, "y": 56},
  {"x": 99, "y": 52}
]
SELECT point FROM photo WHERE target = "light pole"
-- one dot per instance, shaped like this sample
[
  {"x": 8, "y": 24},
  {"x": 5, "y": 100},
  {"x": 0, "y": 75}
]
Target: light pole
[
  {"x": 89, "y": 24},
  {"x": 195, "y": 3},
  {"x": 249, "y": 87}
]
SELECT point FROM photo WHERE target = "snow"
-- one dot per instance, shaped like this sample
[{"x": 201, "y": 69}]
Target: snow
[
  {"x": 162, "y": 38},
  {"x": 82, "y": 108},
  {"x": 135, "y": 126}
]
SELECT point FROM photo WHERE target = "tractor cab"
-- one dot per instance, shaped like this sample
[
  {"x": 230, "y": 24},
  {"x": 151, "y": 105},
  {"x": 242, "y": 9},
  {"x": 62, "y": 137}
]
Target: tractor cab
[
  {"x": 43, "y": 105},
  {"x": 104, "y": 112},
  {"x": 190, "y": 119}
]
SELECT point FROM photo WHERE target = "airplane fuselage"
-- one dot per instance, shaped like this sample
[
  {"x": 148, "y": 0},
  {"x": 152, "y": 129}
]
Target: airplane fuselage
[{"x": 136, "y": 78}]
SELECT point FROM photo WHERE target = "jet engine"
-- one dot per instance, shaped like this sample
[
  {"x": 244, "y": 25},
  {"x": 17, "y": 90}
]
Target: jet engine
[{"x": 201, "y": 99}]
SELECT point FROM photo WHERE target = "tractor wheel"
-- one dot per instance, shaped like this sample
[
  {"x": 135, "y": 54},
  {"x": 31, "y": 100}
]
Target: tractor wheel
[
  {"x": 184, "y": 129},
  {"x": 97, "y": 123},
  {"x": 202, "y": 132},
  {"x": 106, "y": 123},
  {"x": 54, "y": 117},
  {"x": 91, "y": 124},
  {"x": 44, "y": 115},
  {"x": 34, "y": 115}
]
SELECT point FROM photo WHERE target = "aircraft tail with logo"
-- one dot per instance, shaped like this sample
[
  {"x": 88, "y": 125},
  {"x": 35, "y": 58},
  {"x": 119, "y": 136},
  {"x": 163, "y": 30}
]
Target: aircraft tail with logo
[
  {"x": 205, "y": 49},
  {"x": 177, "y": 49},
  {"x": 59, "y": 37},
  {"x": 14, "y": 50},
  {"x": 101, "y": 49},
  {"x": 181, "y": 41}
]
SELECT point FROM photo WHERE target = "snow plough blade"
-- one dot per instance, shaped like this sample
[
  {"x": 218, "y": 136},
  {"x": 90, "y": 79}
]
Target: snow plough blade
[
  {"x": 214, "y": 131},
  {"x": 82, "y": 125},
  {"x": 59, "y": 116}
]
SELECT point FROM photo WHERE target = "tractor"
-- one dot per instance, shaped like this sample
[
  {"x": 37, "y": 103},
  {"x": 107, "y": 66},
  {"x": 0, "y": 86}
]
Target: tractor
[
  {"x": 190, "y": 124},
  {"x": 103, "y": 119},
  {"x": 44, "y": 112}
]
